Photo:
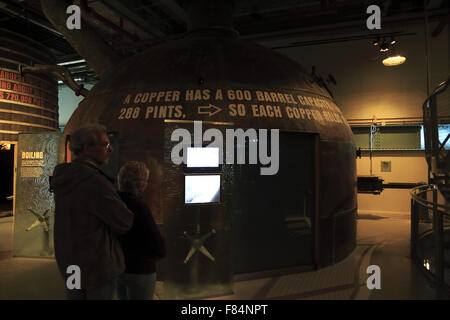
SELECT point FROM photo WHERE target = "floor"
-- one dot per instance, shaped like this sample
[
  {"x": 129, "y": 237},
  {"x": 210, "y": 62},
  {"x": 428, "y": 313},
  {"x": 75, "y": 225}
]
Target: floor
[
  {"x": 6, "y": 209},
  {"x": 382, "y": 241}
]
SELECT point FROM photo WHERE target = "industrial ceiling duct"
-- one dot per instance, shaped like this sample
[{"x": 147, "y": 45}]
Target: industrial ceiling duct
[{"x": 304, "y": 215}]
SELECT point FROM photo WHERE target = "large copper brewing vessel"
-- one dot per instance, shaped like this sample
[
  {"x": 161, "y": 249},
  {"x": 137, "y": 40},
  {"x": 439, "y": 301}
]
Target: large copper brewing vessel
[{"x": 305, "y": 215}]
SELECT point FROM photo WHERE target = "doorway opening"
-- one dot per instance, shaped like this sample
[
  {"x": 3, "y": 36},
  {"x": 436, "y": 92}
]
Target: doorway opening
[
  {"x": 274, "y": 216},
  {"x": 6, "y": 178}
]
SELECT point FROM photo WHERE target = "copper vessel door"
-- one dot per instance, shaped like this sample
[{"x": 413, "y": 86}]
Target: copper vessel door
[{"x": 273, "y": 215}]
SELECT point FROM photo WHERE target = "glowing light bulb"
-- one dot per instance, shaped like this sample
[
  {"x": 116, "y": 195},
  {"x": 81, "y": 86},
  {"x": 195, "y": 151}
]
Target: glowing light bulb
[{"x": 394, "y": 60}]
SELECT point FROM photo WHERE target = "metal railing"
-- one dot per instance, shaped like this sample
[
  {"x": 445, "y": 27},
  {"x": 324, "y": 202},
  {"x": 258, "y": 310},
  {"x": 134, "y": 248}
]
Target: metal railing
[
  {"x": 436, "y": 111},
  {"x": 430, "y": 235}
]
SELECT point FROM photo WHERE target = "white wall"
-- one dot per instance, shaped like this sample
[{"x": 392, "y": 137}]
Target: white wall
[
  {"x": 406, "y": 166},
  {"x": 367, "y": 88},
  {"x": 68, "y": 102}
]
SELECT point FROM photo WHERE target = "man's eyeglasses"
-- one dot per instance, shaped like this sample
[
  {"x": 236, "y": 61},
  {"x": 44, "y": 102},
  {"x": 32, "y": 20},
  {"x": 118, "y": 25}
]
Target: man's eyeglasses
[{"x": 107, "y": 145}]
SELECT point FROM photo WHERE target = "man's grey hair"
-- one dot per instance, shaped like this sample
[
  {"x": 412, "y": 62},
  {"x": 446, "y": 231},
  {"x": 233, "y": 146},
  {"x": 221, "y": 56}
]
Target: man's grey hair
[{"x": 86, "y": 136}]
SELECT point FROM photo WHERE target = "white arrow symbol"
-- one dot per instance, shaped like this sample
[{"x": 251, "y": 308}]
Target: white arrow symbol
[{"x": 210, "y": 110}]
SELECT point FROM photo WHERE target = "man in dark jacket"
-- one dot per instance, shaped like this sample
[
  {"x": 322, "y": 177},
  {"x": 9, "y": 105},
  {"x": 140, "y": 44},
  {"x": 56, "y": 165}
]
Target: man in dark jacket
[{"x": 89, "y": 216}]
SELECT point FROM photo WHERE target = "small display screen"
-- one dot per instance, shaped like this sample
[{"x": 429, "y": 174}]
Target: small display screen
[
  {"x": 202, "y": 189},
  {"x": 202, "y": 157}
]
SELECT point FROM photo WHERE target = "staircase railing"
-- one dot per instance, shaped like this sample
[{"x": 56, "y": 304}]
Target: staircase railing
[{"x": 430, "y": 234}]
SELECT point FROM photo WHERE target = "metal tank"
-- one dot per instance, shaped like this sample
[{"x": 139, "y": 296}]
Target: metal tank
[
  {"x": 301, "y": 218},
  {"x": 28, "y": 103}
]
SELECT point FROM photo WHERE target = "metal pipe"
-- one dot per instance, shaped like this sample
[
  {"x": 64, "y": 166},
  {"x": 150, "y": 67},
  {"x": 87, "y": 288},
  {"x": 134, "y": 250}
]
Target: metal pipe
[
  {"x": 96, "y": 20},
  {"x": 401, "y": 185},
  {"x": 124, "y": 11},
  {"x": 85, "y": 41},
  {"x": 427, "y": 49},
  {"x": 438, "y": 229},
  {"x": 373, "y": 129},
  {"x": 151, "y": 42},
  {"x": 18, "y": 12},
  {"x": 417, "y": 191},
  {"x": 414, "y": 229},
  {"x": 351, "y": 26},
  {"x": 59, "y": 72}
]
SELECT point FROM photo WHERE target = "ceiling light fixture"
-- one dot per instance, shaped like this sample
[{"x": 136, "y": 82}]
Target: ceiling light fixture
[
  {"x": 394, "y": 60},
  {"x": 71, "y": 62},
  {"x": 384, "y": 47}
]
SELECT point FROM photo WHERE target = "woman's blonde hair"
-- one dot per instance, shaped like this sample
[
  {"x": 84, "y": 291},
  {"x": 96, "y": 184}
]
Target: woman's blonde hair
[{"x": 133, "y": 177}]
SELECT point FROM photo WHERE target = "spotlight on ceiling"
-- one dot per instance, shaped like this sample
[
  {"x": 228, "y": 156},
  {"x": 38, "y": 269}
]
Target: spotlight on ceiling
[
  {"x": 376, "y": 42},
  {"x": 393, "y": 40},
  {"x": 384, "y": 47},
  {"x": 394, "y": 60}
]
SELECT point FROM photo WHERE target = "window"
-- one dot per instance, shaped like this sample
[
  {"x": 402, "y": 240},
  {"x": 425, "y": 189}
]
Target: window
[
  {"x": 397, "y": 137},
  {"x": 444, "y": 131},
  {"x": 389, "y": 138}
]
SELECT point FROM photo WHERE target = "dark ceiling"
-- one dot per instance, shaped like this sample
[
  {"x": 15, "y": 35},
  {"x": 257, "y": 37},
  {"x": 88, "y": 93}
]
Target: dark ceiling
[{"x": 131, "y": 26}]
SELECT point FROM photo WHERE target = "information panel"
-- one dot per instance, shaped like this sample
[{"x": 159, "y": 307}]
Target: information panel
[{"x": 37, "y": 157}]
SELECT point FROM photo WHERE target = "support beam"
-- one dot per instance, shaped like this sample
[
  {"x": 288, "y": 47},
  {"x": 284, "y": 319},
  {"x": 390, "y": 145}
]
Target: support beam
[
  {"x": 127, "y": 13},
  {"x": 440, "y": 27},
  {"x": 98, "y": 21},
  {"x": 17, "y": 11},
  {"x": 173, "y": 9}
]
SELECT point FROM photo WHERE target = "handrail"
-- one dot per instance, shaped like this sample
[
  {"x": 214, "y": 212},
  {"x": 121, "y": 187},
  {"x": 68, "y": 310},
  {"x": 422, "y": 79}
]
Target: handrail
[
  {"x": 441, "y": 87},
  {"x": 436, "y": 247},
  {"x": 437, "y": 158},
  {"x": 428, "y": 204}
]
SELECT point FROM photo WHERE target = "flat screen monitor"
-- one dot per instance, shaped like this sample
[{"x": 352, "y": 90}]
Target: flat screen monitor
[
  {"x": 203, "y": 157},
  {"x": 202, "y": 189}
]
